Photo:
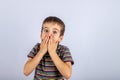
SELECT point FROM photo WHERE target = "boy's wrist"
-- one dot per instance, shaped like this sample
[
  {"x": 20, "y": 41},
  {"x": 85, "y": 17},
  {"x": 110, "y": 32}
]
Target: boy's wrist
[
  {"x": 41, "y": 52},
  {"x": 52, "y": 52}
]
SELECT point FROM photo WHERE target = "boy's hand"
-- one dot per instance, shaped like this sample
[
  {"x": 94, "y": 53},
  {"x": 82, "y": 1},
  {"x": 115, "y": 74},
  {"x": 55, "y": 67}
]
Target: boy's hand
[
  {"x": 44, "y": 45},
  {"x": 52, "y": 45}
]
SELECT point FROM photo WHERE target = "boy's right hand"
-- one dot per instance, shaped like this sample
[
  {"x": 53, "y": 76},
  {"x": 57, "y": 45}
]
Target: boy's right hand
[{"x": 44, "y": 44}]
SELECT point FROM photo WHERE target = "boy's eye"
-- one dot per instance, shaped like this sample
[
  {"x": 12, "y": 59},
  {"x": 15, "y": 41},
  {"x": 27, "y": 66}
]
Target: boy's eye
[
  {"x": 46, "y": 30},
  {"x": 54, "y": 32}
]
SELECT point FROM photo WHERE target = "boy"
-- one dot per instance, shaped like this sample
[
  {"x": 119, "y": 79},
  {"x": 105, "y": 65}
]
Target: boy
[{"x": 50, "y": 60}]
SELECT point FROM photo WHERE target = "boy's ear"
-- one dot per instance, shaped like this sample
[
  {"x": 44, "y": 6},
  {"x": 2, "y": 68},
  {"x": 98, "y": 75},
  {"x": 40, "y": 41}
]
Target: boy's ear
[{"x": 60, "y": 39}]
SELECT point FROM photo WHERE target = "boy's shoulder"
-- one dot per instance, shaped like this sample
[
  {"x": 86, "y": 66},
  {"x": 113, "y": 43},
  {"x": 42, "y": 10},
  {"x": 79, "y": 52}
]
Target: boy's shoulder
[
  {"x": 61, "y": 46},
  {"x": 37, "y": 45}
]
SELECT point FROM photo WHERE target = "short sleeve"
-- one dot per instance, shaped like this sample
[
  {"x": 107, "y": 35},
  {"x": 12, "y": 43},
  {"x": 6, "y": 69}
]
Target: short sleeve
[
  {"x": 67, "y": 57},
  {"x": 34, "y": 51}
]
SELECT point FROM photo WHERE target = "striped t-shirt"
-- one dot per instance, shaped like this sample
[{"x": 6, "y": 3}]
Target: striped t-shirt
[{"x": 46, "y": 69}]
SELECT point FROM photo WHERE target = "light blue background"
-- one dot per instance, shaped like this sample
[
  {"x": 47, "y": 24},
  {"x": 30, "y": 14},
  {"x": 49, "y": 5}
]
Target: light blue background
[{"x": 92, "y": 34}]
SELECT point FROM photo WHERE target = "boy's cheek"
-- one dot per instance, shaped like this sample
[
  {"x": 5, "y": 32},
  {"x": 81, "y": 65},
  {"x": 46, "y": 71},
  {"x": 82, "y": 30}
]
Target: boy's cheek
[
  {"x": 42, "y": 37},
  {"x": 56, "y": 39}
]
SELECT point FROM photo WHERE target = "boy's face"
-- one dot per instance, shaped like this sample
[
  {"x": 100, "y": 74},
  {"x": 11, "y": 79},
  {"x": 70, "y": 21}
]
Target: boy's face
[{"x": 51, "y": 29}]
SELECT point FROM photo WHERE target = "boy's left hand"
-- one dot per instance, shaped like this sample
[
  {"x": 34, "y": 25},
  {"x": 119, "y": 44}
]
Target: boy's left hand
[{"x": 52, "y": 45}]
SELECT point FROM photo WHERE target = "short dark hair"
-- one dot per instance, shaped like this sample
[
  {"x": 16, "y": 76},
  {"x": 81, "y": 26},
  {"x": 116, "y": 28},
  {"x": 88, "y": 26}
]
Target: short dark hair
[{"x": 56, "y": 20}]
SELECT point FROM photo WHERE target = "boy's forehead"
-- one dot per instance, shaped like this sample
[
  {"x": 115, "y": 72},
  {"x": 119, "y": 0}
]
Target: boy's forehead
[{"x": 51, "y": 25}]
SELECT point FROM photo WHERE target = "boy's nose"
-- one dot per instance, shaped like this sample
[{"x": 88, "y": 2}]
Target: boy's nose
[{"x": 49, "y": 34}]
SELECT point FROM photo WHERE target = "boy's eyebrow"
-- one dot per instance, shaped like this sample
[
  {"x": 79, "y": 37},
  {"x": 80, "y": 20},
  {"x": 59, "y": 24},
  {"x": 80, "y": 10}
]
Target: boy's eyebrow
[
  {"x": 45, "y": 27},
  {"x": 56, "y": 29}
]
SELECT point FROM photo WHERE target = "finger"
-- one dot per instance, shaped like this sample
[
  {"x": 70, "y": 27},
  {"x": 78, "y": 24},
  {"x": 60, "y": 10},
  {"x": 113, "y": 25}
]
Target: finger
[
  {"x": 57, "y": 42},
  {"x": 46, "y": 40},
  {"x": 53, "y": 39},
  {"x": 50, "y": 40}
]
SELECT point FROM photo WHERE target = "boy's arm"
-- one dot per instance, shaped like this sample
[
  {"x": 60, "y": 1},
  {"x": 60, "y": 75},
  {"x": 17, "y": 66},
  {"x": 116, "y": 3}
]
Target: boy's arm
[
  {"x": 32, "y": 63},
  {"x": 65, "y": 68}
]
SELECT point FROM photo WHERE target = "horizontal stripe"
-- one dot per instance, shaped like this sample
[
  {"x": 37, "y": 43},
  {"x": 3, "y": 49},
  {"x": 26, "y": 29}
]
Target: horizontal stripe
[
  {"x": 68, "y": 56},
  {"x": 30, "y": 56},
  {"x": 47, "y": 70},
  {"x": 48, "y": 76},
  {"x": 47, "y": 64}
]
